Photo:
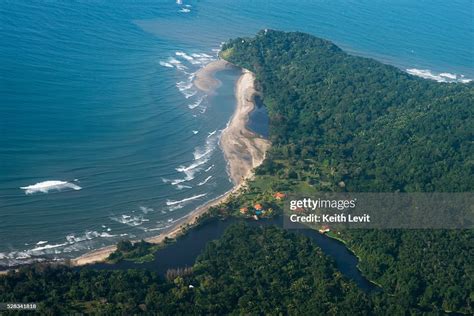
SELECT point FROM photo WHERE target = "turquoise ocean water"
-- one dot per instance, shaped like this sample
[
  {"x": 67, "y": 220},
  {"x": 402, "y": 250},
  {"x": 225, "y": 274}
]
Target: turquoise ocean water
[{"x": 97, "y": 96}]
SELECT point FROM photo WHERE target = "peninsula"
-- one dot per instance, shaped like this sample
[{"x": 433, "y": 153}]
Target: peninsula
[{"x": 338, "y": 122}]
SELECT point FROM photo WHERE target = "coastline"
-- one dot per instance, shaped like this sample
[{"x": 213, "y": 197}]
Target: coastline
[{"x": 243, "y": 150}]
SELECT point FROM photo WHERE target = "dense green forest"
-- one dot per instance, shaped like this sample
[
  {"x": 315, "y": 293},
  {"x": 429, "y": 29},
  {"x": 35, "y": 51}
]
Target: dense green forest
[
  {"x": 337, "y": 117},
  {"x": 249, "y": 271},
  {"x": 346, "y": 123},
  {"x": 337, "y": 123}
]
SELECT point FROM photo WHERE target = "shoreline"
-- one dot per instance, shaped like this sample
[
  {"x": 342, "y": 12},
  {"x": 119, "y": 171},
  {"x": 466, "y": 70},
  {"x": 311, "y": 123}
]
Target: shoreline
[{"x": 243, "y": 150}]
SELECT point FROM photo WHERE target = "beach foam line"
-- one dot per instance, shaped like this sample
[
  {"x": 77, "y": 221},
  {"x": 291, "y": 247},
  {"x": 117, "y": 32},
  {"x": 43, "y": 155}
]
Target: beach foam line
[
  {"x": 37, "y": 253},
  {"x": 169, "y": 202},
  {"x": 49, "y": 185},
  {"x": 440, "y": 77},
  {"x": 157, "y": 228}
]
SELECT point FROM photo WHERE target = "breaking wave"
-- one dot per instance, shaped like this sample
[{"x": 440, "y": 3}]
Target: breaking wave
[
  {"x": 210, "y": 167},
  {"x": 197, "y": 103},
  {"x": 180, "y": 202},
  {"x": 174, "y": 63},
  {"x": 130, "y": 220},
  {"x": 182, "y": 186},
  {"x": 50, "y": 185},
  {"x": 47, "y": 247},
  {"x": 89, "y": 235},
  {"x": 439, "y": 77},
  {"x": 72, "y": 243},
  {"x": 166, "y": 64},
  {"x": 182, "y": 85},
  {"x": 205, "y": 181},
  {"x": 187, "y": 57},
  {"x": 201, "y": 154},
  {"x": 186, "y": 87}
]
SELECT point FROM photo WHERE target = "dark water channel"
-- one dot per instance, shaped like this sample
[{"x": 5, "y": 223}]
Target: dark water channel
[{"x": 186, "y": 249}]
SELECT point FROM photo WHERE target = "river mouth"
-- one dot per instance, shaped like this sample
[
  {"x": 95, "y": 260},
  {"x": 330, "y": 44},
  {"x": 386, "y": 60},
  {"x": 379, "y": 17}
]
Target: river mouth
[{"x": 184, "y": 252}]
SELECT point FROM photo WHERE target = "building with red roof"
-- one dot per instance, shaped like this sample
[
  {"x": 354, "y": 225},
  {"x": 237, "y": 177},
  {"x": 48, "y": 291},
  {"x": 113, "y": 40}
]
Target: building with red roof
[{"x": 279, "y": 195}]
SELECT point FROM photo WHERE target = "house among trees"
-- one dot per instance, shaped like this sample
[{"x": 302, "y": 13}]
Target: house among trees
[
  {"x": 256, "y": 210},
  {"x": 324, "y": 229},
  {"x": 279, "y": 195}
]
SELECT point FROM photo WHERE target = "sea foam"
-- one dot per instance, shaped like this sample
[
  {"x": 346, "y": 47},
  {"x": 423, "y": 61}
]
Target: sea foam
[
  {"x": 130, "y": 220},
  {"x": 201, "y": 154},
  {"x": 166, "y": 64},
  {"x": 196, "y": 104},
  {"x": 205, "y": 181},
  {"x": 440, "y": 77},
  {"x": 169, "y": 202},
  {"x": 50, "y": 185}
]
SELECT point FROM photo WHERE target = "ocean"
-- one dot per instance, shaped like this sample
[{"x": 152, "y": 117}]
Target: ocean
[{"x": 103, "y": 136}]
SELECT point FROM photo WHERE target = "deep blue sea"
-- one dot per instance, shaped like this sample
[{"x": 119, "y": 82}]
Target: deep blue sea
[{"x": 96, "y": 96}]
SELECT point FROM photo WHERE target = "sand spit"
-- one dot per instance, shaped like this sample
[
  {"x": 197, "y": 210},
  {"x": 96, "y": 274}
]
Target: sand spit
[{"x": 243, "y": 150}]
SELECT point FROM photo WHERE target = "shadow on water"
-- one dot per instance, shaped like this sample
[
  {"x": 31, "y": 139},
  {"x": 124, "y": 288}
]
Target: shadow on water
[{"x": 186, "y": 249}]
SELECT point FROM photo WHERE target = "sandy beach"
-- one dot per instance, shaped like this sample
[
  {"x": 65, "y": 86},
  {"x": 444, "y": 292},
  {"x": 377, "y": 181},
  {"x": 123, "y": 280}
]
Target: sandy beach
[
  {"x": 205, "y": 80},
  {"x": 243, "y": 150}
]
